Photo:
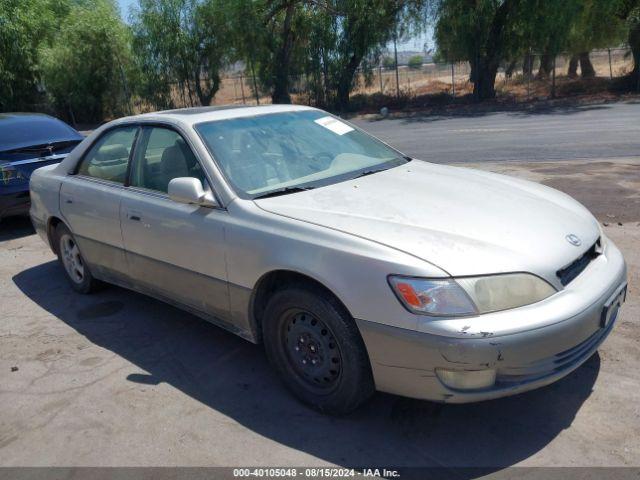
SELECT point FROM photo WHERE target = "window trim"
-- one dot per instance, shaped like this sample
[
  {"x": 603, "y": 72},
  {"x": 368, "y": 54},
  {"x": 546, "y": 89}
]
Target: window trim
[
  {"x": 134, "y": 151},
  {"x": 82, "y": 159},
  {"x": 126, "y": 185}
]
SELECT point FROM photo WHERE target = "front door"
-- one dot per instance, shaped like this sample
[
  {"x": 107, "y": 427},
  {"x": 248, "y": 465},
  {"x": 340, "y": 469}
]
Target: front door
[{"x": 174, "y": 251}]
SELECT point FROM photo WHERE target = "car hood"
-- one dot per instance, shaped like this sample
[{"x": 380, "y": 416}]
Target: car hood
[{"x": 467, "y": 222}]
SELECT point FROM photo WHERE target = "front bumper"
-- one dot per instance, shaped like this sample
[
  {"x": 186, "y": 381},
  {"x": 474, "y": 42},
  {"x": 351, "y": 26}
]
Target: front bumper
[{"x": 404, "y": 362}]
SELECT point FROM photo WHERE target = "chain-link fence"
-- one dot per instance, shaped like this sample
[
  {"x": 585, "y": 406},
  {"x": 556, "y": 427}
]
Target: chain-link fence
[{"x": 534, "y": 76}]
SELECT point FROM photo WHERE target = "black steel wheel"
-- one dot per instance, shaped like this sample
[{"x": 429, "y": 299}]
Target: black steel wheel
[
  {"x": 316, "y": 348},
  {"x": 313, "y": 351}
]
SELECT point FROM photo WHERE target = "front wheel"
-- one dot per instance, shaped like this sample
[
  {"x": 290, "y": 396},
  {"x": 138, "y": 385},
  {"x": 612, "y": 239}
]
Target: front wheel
[
  {"x": 317, "y": 350},
  {"x": 76, "y": 269}
]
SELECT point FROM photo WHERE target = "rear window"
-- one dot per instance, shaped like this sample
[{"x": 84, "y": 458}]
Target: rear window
[{"x": 29, "y": 130}]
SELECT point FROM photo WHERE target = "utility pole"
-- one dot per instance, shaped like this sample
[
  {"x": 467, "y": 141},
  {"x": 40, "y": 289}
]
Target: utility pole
[
  {"x": 395, "y": 53},
  {"x": 255, "y": 84},
  {"x": 529, "y": 72},
  {"x": 242, "y": 88},
  {"x": 553, "y": 78},
  {"x": 453, "y": 80}
]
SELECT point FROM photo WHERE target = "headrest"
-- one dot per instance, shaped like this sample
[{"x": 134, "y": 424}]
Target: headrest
[
  {"x": 116, "y": 151},
  {"x": 174, "y": 161}
]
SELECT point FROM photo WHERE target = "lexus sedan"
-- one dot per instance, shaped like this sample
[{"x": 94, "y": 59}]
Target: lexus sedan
[
  {"x": 357, "y": 267},
  {"x": 28, "y": 141}
]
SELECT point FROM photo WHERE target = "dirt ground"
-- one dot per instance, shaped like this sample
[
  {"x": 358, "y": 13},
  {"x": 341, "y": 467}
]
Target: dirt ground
[{"x": 117, "y": 379}]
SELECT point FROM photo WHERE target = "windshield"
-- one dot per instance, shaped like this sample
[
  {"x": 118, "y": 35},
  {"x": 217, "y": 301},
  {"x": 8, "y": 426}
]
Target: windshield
[{"x": 289, "y": 151}]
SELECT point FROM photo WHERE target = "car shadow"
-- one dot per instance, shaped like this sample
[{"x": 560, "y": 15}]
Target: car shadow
[
  {"x": 232, "y": 376},
  {"x": 12, "y": 228}
]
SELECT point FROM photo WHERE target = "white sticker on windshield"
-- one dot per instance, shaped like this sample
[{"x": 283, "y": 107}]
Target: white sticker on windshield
[{"x": 335, "y": 125}]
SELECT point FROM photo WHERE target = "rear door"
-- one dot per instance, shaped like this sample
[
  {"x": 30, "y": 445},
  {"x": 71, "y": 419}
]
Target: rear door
[
  {"x": 174, "y": 250},
  {"x": 90, "y": 202}
]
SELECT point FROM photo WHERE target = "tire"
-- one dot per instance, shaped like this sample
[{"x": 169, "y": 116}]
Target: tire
[
  {"x": 317, "y": 350},
  {"x": 75, "y": 268}
]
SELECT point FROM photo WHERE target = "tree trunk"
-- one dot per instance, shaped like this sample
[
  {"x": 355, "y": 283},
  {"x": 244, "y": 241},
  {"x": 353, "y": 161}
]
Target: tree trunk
[
  {"x": 253, "y": 76},
  {"x": 573, "y": 67},
  {"x": 627, "y": 14},
  {"x": 211, "y": 85},
  {"x": 486, "y": 65},
  {"x": 527, "y": 64},
  {"x": 546, "y": 64},
  {"x": 485, "y": 79},
  {"x": 511, "y": 67},
  {"x": 281, "y": 81},
  {"x": 472, "y": 72},
  {"x": 345, "y": 81},
  {"x": 326, "y": 87},
  {"x": 586, "y": 66}
]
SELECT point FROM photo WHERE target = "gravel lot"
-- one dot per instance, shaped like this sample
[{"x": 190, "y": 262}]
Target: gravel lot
[{"x": 117, "y": 378}]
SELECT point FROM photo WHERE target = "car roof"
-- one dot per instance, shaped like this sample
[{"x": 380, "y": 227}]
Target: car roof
[
  {"x": 20, "y": 130},
  {"x": 194, "y": 115}
]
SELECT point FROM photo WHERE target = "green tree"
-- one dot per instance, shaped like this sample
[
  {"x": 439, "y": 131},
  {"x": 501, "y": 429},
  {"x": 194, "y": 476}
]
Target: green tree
[
  {"x": 180, "y": 47},
  {"x": 629, "y": 12},
  {"x": 596, "y": 26},
  {"x": 25, "y": 26},
  {"x": 84, "y": 69},
  {"x": 477, "y": 32},
  {"x": 415, "y": 62},
  {"x": 322, "y": 38},
  {"x": 363, "y": 28},
  {"x": 545, "y": 25},
  {"x": 324, "y": 42},
  {"x": 488, "y": 32},
  {"x": 388, "y": 62},
  {"x": 247, "y": 35},
  {"x": 270, "y": 36},
  {"x": 349, "y": 37}
]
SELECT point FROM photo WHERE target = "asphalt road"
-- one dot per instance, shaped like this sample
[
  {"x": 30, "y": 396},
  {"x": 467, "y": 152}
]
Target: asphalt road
[{"x": 563, "y": 133}]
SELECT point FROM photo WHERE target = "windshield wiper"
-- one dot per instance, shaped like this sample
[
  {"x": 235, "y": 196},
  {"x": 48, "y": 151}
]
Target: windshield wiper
[
  {"x": 283, "y": 191},
  {"x": 45, "y": 148},
  {"x": 369, "y": 172}
]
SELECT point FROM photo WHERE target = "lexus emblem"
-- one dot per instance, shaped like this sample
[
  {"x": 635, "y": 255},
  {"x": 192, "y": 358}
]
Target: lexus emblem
[{"x": 573, "y": 240}]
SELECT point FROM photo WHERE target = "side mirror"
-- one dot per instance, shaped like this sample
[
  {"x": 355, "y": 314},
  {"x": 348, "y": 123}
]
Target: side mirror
[{"x": 189, "y": 190}]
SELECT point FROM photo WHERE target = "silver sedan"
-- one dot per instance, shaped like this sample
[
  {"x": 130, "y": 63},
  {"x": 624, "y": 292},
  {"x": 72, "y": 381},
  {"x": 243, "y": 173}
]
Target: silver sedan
[{"x": 359, "y": 268}]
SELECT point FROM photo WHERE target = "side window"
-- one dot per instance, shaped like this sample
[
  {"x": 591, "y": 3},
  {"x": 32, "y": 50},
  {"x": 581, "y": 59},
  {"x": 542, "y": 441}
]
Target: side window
[
  {"x": 162, "y": 156},
  {"x": 108, "y": 157}
]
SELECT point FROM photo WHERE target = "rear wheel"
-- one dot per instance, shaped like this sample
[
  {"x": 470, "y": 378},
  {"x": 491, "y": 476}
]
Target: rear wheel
[
  {"x": 76, "y": 269},
  {"x": 317, "y": 350}
]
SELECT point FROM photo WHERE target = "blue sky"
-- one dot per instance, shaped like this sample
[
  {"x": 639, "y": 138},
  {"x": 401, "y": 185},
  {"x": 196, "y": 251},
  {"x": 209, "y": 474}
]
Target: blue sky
[
  {"x": 415, "y": 44},
  {"x": 124, "y": 6}
]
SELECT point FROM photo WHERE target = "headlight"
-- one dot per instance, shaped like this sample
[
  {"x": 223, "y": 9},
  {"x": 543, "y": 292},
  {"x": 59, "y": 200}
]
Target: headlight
[
  {"x": 470, "y": 295},
  {"x": 440, "y": 297}
]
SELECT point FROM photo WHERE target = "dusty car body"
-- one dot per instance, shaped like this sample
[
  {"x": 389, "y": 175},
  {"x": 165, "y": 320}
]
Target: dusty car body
[{"x": 450, "y": 284}]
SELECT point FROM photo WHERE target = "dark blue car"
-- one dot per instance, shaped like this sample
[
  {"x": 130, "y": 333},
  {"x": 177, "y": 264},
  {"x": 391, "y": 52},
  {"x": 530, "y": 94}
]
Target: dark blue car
[{"x": 28, "y": 141}]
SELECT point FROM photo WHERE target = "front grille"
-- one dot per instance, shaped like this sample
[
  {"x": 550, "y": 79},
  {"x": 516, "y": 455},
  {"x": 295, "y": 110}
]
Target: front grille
[{"x": 571, "y": 271}]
